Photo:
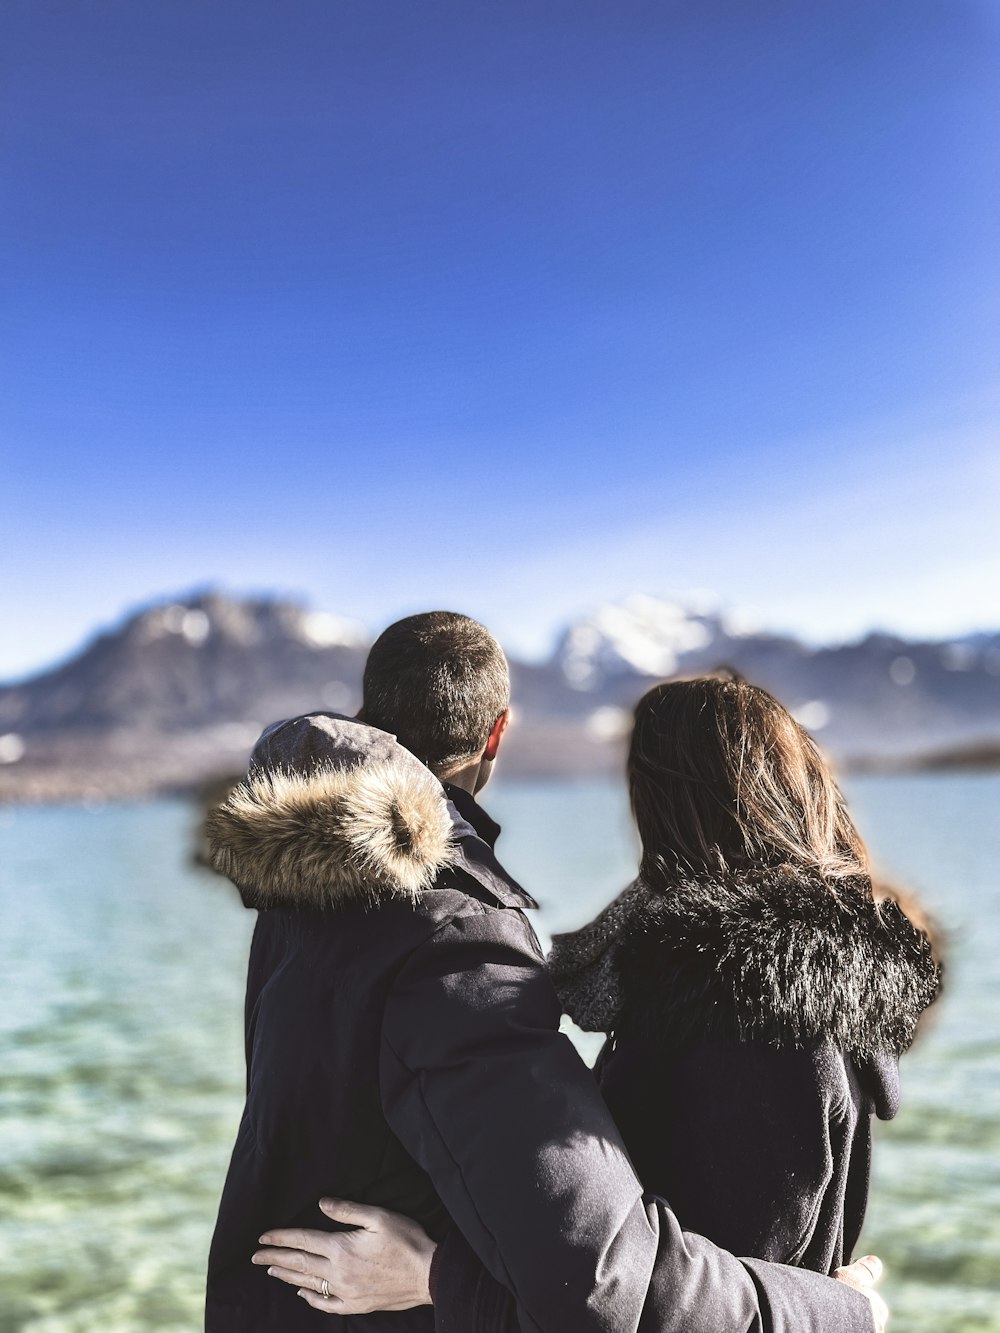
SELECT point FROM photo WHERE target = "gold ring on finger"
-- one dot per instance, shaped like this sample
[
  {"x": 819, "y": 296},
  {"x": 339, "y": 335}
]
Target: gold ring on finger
[{"x": 325, "y": 1290}]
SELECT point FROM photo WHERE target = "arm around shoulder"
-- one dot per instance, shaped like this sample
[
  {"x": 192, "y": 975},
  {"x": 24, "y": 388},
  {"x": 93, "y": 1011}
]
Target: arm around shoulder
[{"x": 496, "y": 1105}]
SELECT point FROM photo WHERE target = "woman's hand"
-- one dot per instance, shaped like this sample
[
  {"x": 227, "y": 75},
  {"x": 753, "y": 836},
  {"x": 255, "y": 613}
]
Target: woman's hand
[
  {"x": 383, "y": 1264},
  {"x": 862, "y": 1275}
]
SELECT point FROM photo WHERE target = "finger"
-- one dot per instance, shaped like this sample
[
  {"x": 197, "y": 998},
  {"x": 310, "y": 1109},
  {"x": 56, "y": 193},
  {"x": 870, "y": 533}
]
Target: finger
[
  {"x": 354, "y": 1214},
  {"x": 850, "y": 1279},
  {"x": 872, "y": 1264},
  {"x": 294, "y": 1278},
  {"x": 880, "y": 1311},
  {"x": 847, "y": 1276},
  {"x": 863, "y": 1273},
  {"x": 328, "y": 1304},
  {"x": 295, "y": 1259},
  {"x": 296, "y": 1238}
]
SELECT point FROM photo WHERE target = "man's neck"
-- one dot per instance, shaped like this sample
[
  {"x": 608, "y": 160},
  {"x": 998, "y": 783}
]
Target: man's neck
[{"x": 467, "y": 776}]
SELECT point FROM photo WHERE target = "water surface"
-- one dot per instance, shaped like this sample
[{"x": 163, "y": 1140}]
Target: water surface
[{"x": 121, "y": 1036}]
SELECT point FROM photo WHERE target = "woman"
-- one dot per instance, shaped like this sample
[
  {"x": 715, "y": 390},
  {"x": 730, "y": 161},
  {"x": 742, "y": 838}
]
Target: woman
[{"x": 755, "y": 988}]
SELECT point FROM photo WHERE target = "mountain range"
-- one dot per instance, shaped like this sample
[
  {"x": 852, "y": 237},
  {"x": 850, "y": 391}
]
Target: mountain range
[{"x": 176, "y": 695}]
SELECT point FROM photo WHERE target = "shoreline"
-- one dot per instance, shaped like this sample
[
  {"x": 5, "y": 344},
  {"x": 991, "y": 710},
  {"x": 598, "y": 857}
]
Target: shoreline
[{"x": 181, "y": 768}]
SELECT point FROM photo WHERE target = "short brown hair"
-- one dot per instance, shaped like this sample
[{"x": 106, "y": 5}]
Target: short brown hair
[
  {"x": 438, "y": 681},
  {"x": 721, "y": 777}
]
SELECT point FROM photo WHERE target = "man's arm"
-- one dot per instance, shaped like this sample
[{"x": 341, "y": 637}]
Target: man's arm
[{"x": 498, "y": 1108}]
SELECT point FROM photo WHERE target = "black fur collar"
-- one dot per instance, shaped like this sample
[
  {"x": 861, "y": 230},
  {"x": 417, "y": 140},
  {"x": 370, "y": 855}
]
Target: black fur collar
[
  {"x": 772, "y": 957},
  {"x": 781, "y": 959}
]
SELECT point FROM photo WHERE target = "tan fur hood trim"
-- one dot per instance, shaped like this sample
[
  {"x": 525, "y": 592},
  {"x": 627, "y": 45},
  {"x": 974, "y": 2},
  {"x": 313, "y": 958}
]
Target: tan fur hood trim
[{"x": 313, "y": 840}]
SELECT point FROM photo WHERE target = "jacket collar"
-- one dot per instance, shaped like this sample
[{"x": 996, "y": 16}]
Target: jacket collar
[
  {"x": 473, "y": 813},
  {"x": 334, "y": 811},
  {"x": 777, "y": 956},
  {"x": 475, "y": 834}
]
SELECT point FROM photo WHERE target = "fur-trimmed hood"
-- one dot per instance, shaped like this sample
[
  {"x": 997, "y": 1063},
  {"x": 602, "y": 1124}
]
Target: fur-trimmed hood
[
  {"x": 775, "y": 957},
  {"x": 331, "y": 811}
]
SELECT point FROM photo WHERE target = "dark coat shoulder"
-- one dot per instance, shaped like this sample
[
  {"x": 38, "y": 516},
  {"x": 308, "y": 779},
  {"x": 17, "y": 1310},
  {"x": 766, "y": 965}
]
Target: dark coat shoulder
[{"x": 756, "y": 1025}]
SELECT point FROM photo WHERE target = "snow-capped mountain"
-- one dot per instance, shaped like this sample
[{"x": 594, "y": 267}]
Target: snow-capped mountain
[
  {"x": 882, "y": 697},
  {"x": 189, "y": 663},
  {"x": 179, "y": 692},
  {"x": 642, "y": 636}
]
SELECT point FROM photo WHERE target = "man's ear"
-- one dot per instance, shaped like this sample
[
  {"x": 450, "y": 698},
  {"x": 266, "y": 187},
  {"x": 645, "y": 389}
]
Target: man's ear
[{"x": 496, "y": 735}]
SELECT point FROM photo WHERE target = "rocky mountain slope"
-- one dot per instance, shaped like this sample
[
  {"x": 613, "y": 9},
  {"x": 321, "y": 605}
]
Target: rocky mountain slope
[{"x": 177, "y": 694}]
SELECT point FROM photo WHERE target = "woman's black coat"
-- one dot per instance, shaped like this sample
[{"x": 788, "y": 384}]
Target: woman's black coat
[{"x": 756, "y": 1024}]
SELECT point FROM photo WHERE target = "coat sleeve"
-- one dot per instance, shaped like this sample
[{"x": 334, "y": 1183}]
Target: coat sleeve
[{"x": 495, "y": 1104}]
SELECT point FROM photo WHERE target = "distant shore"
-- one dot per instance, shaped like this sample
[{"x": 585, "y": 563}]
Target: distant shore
[
  {"x": 123, "y": 767},
  {"x": 980, "y": 756}
]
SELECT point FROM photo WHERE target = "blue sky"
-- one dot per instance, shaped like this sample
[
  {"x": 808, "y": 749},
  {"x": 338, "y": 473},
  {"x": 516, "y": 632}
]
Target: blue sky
[{"x": 515, "y": 308}]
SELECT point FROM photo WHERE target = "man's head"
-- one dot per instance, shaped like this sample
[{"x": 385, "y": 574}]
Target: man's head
[{"x": 439, "y": 682}]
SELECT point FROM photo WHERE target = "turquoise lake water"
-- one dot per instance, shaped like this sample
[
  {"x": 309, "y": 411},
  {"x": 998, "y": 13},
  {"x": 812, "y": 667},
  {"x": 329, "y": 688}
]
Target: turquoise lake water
[{"x": 122, "y": 1069}]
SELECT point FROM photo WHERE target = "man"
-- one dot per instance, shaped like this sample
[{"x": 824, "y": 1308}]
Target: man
[{"x": 402, "y": 1036}]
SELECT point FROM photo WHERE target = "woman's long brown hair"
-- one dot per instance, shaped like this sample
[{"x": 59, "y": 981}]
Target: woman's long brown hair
[{"x": 722, "y": 778}]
